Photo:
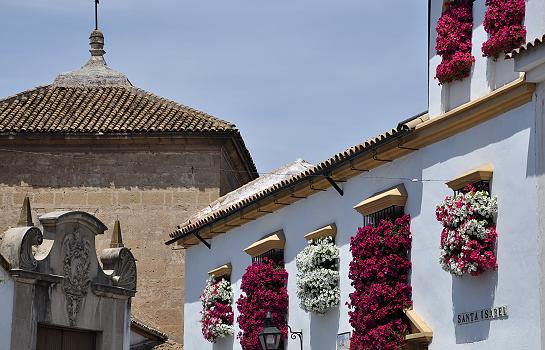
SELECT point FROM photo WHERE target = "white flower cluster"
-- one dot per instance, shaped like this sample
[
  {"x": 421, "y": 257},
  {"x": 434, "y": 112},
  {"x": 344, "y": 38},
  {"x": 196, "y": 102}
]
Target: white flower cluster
[
  {"x": 318, "y": 276},
  {"x": 217, "y": 292},
  {"x": 463, "y": 205},
  {"x": 483, "y": 204}
]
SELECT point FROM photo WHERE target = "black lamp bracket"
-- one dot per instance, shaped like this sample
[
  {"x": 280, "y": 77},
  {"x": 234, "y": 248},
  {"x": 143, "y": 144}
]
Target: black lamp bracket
[{"x": 295, "y": 335}]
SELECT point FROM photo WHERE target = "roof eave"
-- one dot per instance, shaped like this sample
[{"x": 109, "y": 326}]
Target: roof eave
[
  {"x": 421, "y": 132},
  {"x": 327, "y": 170}
]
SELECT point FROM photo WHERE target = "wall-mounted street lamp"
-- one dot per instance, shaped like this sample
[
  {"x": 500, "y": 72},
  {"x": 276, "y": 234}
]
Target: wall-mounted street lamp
[{"x": 271, "y": 337}]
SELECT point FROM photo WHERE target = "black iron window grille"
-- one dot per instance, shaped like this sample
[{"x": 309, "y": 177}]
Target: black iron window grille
[
  {"x": 482, "y": 185},
  {"x": 391, "y": 213},
  {"x": 224, "y": 278},
  {"x": 276, "y": 255}
]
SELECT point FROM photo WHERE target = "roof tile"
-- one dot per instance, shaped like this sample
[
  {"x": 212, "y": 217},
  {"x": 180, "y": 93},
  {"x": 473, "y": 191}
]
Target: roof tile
[
  {"x": 54, "y": 109},
  {"x": 526, "y": 47}
]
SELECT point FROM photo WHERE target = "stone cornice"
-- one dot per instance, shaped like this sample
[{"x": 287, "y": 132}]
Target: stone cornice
[
  {"x": 112, "y": 292},
  {"x": 33, "y": 276}
]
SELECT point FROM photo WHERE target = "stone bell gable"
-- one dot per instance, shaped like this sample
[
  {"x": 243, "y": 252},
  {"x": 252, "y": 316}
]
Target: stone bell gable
[{"x": 60, "y": 286}]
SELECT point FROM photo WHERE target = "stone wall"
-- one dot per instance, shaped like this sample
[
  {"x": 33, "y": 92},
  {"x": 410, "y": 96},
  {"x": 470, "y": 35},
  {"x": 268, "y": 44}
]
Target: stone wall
[{"x": 150, "y": 190}]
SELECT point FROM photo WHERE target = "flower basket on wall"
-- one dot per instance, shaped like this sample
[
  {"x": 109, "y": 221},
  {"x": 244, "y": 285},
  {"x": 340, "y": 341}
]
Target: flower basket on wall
[
  {"x": 380, "y": 276},
  {"x": 468, "y": 240},
  {"x": 503, "y": 22},
  {"x": 318, "y": 276},
  {"x": 453, "y": 43},
  {"x": 263, "y": 290},
  {"x": 217, "y": 312}
]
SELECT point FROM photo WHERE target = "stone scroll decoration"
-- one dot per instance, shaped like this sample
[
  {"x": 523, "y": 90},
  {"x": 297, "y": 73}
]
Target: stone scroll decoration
[
  {"x": 76, "y": 265},
  {"x": 17, "y": 245},
  {"x": 120, "y": 266},
  {"x": 32, "y": 237}
]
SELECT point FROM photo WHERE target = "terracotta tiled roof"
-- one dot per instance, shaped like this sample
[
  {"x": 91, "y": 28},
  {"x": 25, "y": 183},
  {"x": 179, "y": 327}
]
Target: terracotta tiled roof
[
  {"x": 526, "y": 47},
  {"x": 157, "y": 339},
  {"x": 322, "y": 168},
  {"x": 253, "y": 187},
  {"x": 155, "y": 345},
  {"x": 97, "y": 100},
  {"x": 152, "y": 332},
  {"x": 101, "y": 109},
  {"x": 169, "y": 345}
]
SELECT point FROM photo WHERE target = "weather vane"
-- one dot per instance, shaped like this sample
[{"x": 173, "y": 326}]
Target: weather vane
[{"x": 96, "y": 14}]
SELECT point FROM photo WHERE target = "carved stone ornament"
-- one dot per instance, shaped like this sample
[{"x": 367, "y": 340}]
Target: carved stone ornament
[
  {"x": 16, "y": 246},
  {"x": 125, "y": 274},
  {"x": 120, "y": 265},
  {"x": 76, "y": 272},
  {"x": 33, "y": 237}
]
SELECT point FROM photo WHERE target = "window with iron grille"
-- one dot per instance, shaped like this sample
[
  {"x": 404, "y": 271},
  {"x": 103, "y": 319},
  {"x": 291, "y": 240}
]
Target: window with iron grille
[
  {"x": 224, "y": 277},
  {"x": 391, "y": 213},
  {"x": 482, "y": 185},
  {"x": 276, "y": 255}
]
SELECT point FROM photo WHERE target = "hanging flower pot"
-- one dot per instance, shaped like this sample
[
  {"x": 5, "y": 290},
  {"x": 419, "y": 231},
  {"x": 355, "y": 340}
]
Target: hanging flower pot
[
  {"x": 503, "y": 22},
  {"x": 264, "y": 292},
  {"x": 468, "y": 240},
  {"x": 453, "y": 43},
  {"x": 380, "y": 276},
  {"x": 318, "y": 276},
  {"x": 217, "y": 313}
]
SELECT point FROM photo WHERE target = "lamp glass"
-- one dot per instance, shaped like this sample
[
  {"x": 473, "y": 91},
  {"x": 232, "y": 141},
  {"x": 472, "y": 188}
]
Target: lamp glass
[{"x": 270, "y": 338}]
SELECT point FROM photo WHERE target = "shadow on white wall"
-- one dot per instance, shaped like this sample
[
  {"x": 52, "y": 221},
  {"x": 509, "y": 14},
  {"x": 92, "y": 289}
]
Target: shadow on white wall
[
  {"x": 323, "y": 330},
  {"x": 470, "y": 294}
]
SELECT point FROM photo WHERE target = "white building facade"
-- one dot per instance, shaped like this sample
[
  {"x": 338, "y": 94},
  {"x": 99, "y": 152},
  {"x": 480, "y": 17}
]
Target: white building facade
[{"x": 490, "y": 123}]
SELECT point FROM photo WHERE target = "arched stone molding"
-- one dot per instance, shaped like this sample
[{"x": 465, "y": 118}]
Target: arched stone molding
[{"x": 52, "y": 220}]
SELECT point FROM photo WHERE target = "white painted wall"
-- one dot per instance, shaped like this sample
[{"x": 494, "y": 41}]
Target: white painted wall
[
  {"x": 508, "y": 143},
  {"x": 487, "y": 74},
  {"x": 535, "y": 19},
  {"x": 6, "y": 308},
  {"x": 540, "y": 171}
]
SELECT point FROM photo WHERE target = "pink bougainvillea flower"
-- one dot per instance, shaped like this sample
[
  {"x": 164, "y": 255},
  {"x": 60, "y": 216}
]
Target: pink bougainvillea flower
[
  {"x": 503, "y": 22},
  {"x": 453, "y": 43},
  {"x": 379, "y": 272},
  {"x": 263, "y": 290}
]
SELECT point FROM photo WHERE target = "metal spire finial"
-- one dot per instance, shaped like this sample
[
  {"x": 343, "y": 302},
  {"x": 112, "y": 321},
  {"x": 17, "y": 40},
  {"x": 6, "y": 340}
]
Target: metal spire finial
[{"x": 96, "y": 14}]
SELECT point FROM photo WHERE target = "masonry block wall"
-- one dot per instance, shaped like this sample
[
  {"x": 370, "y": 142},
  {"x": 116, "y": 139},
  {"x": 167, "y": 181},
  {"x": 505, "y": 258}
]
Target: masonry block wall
[{"x": 150, "y": 189}]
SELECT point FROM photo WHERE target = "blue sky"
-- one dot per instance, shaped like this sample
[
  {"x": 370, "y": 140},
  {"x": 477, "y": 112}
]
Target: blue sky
[{"x": 300, "y": 78}]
